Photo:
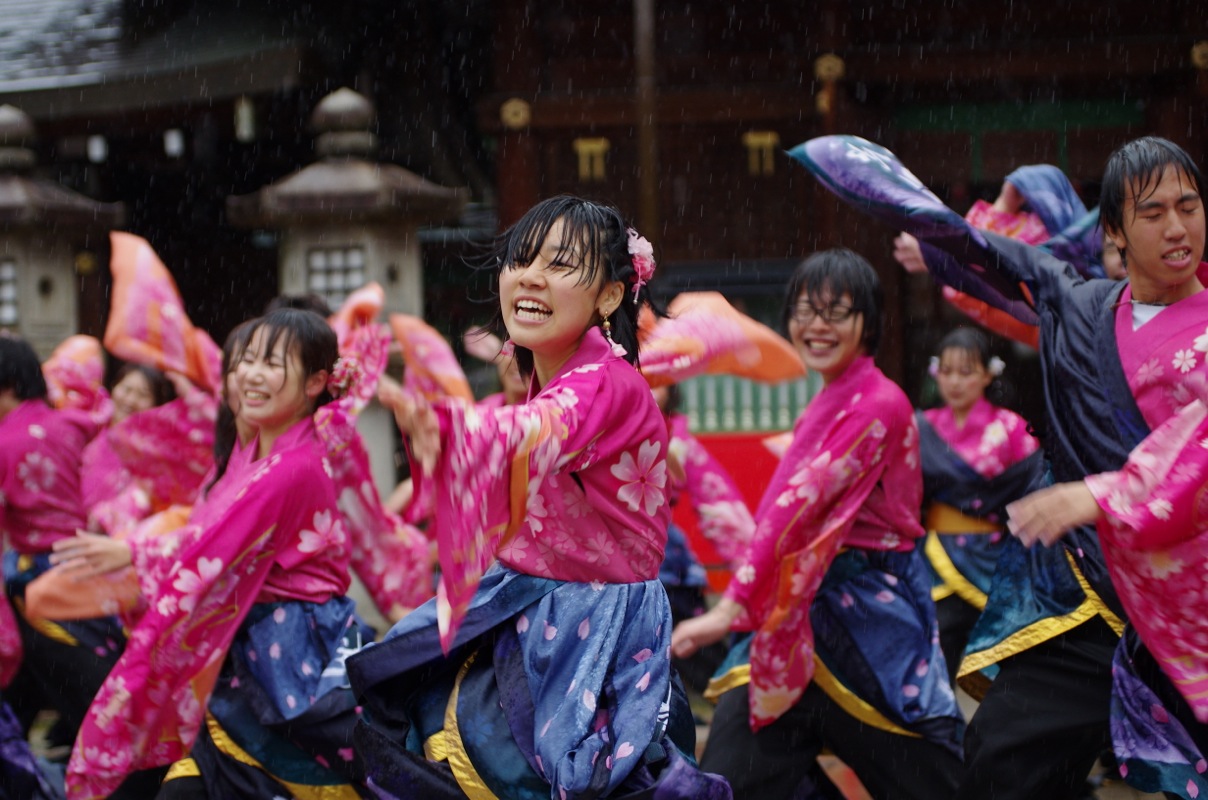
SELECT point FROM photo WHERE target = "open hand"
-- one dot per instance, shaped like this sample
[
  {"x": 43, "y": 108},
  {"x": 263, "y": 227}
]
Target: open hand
[
  {"x": 693, "y": 634},
  {"x": 909, "y": 254},
  {"x": 90, "y": 554},
  {"x": 1049, "y": 514}
]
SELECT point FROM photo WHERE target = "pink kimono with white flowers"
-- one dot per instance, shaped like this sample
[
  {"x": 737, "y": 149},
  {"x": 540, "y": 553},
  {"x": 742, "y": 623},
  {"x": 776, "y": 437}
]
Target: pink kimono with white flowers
[
  {"x": 723, "y": 515},
  {"x": 40, "y": 450},
  {"x": 990, "y": 440},
  {"x": 1155, "y": 534},
  {"x": 570, "y": 485},
  {"x": 850, "y": 479},
  {"x": 268, "y": 531}
]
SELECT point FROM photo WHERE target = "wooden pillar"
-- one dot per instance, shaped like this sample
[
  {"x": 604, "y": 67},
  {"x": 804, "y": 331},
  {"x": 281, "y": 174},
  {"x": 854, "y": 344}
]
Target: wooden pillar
[
  {"x": 518, "y": 165},
  {"x": 647, "y": 127},
  {"x": 518, "y": 59}
]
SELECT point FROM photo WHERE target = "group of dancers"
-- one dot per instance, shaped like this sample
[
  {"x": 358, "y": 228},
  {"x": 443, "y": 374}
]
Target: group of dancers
[{"x": 179, "y": 550}]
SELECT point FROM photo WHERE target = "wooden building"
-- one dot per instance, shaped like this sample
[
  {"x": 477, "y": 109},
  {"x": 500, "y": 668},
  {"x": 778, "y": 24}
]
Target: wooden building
[{"x": 678, "y": 111}]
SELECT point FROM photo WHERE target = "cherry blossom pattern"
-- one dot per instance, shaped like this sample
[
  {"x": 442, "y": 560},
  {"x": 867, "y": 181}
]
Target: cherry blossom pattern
[{"x": 644, "y": 478}]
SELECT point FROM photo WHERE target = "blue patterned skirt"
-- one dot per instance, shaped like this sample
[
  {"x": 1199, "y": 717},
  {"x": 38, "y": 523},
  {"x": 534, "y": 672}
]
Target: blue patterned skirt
[{"x": 552, "y": 689}]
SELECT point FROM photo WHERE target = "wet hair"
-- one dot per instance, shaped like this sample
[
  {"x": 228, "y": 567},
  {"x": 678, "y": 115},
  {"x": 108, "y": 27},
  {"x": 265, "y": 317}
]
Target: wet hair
[
  {"x": 225, "y": 430},
  {"x": 830, "y": 274},
  {"x": 162, "y": 390},
  {"x": 1138, "y": 166},
  {"x": 304, "y": 302},
  {"x": 968, "y": 340},
  {"x": 674, "y": 400},
  {"x": 305, "y": 332},
  {"x": 20, "y": 370},
  {"x": 596, "y": 240}
]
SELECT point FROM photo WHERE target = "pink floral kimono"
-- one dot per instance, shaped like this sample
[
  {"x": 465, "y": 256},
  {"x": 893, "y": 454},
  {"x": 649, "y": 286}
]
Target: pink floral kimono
[
  {"x": 969, "y": 473},
  {"x": 723, "y": 515},
  {"x": 39, "y": 495},
  {"x": 268, "y": 532},
  {"x": 388, "y": 555},
  {"x": 40, "y": 450},
  {"x": 848, "y": 488},
  {"x": 75, "y": 375},
  {"x": 1155, "y": 534},
  {"x": 990, "y": 440},
  {"x": 148, "y": 461},
  {"x": 569, "y": 492}
]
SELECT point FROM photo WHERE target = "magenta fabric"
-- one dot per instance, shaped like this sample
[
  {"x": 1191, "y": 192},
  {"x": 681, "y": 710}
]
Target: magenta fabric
[
  {"x": 571, "y": 485},
  {"x": 269, "y": 530},
  {"x": 722, "y": 514},
  {"x": 1155, "y": 530},
  {"x": 40, "y": 453},
  {"x": 851, "y": 478},
  {"x": 991, "y": 439}
]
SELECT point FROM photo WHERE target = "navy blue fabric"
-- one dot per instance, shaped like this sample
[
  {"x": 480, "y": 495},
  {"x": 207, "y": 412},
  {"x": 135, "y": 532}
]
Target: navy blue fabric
[{"x": 579, "y": 673}]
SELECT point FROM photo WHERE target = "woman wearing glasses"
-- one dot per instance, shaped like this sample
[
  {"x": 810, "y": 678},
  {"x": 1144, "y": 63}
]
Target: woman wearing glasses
[{"x": 838, "y": 643}]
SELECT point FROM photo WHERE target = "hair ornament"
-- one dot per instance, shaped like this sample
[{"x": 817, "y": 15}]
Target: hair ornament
[
  {"x": 996, "y": 366},
  {"x": 933, "y": 367},
  {"x": 642, "y": 254},
  {"x": 344, "y": 375}
]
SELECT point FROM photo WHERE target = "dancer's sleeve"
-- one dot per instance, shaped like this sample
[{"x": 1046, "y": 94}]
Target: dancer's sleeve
[
  {"x": 147, "y": 320},
  {"x": 169, "y": 448},
  {"x": 150, "y": 708},
  {"x": 389, "y": 556},
  {"x": 808, "y": 510},
  {"x": 491, "y": 465},
  {"x": 722, "y": 513},
  {"x": 1156, "y": 501}
]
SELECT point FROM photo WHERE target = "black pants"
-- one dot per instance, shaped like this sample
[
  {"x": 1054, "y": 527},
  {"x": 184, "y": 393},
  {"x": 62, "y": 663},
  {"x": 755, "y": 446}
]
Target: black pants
[
  {"x": 956, "y": 619},
  {"x": 780, "y": 760},
  {"x": 1044, "y": 720}
]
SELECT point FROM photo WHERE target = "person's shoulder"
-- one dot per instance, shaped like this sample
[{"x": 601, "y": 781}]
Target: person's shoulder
[
  {"x": 60, "y": 426},
  {"x": 305, "y": 460},
  {"x": 883, "y": 395}
]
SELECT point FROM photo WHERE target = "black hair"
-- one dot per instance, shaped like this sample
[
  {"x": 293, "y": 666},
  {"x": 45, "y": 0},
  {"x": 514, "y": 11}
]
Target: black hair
[
  {"x": 20, "y": 370},
  {"x": 674, "y": 400},
  {"x": 225, "y": 430},
  {"x": 977, "y": 345},
  {"x": 303, "y": 302},
  {"x": 830, "y": 274},
  {"x": 970, "y": 340},
  {"x": 162, "y": 390},
  {"x": 1135, "y": 170},
  {"x": 316, "y": 342},
  {"x": 596, "y": 240}
]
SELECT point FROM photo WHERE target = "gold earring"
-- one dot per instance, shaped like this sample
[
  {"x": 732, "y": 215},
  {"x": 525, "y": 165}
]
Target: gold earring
[{"x": 617, "y": 350}]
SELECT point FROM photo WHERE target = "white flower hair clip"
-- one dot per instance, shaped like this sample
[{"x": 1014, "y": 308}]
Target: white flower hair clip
[{"x": 996, "y": 366}]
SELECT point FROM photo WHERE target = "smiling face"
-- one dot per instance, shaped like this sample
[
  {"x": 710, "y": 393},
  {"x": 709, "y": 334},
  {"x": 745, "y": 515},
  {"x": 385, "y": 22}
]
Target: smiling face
[
  {"x": 827, "y": 334},
  {"x": 272, "y": 390},
  {"x": 132, "y": 394},
  {"x": 962, "y": 379},
  {"x": 546, "y": 305},
  {"x": 1162, "y": 237}
]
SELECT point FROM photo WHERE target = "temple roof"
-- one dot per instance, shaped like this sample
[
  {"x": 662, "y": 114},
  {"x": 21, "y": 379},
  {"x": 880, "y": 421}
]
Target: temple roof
[{"x": 73, "y": 57}]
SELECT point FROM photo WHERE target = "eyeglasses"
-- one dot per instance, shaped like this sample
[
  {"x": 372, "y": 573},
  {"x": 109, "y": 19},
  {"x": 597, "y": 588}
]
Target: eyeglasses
[{"x": 805, "y": 312}]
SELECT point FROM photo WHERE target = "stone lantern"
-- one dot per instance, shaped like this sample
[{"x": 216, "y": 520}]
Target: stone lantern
[
  {"x": 348, "y": 219},
  {"x": 42, "y": 226}
]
